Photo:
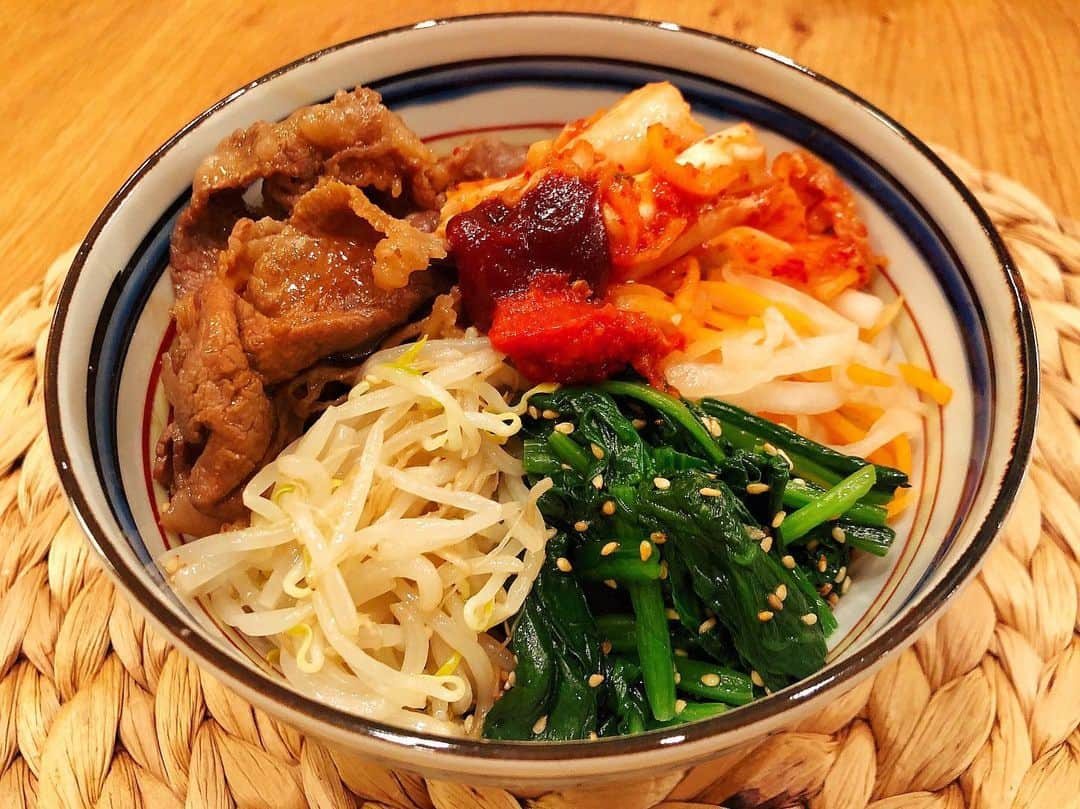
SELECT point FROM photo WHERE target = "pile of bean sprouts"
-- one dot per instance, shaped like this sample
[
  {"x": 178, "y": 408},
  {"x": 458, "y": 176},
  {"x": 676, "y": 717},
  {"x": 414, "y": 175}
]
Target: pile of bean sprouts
[{"x": 387, "y": 541}]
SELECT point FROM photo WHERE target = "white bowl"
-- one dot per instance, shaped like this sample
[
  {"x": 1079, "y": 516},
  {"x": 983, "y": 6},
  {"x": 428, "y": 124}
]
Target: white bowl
[{"x": 966, "y": 317}]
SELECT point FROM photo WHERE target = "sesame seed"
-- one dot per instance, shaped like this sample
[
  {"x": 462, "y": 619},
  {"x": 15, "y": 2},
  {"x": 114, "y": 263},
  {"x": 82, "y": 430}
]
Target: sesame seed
[
  {"x": 658, "y": 422},
  {"x": 769, "y": 448},
  {"x": 172, "y": 564},
  {"x": 597, "y": 452},
  {"x": 713, "y": 426},
  {"x": 755, "y": 678},
  {"x": 563, "y": 564},
  {"x": 639, "y": 423},
  {"x": 645, "y": 550},
  {"x": 566, "y": 466},
  {"x": 710, "y": 679},
  {"x": 581, "y": 526},
  {"x": 833, "y": 600},
  {"x": 710, "y": 475},
  {"x": 757, "y": 488},
  {"x": 678, "y": 678},
  {"x": 608, "y": 508},
  {"x": 661, "y": 483},
  {"x": 371, "y": 379},
  {"x": 609, "y": 548},
  {"x": 766, "y": 544},
  {"x": 680, "y": 706},
  {"x": 822, "y": 564},
  {"x": 778, "y": 518},
  {"x": 564, "y": 427},
  {"x": 812, "y": 545},
  {"x": 774, "y": 602},
  {"x": 598, "y": 482},
  {"x": 838, "y": 534},
  {"x": 595, "y": 680},
  {"x": 671, "y": 614},
  {"x": 511, "y": 678},
  {"x": 709, "y": 492},
  {"x": 706, "y": 625},
  {"x": 765, "y": 615},
  {"x": 551, "y": 532},
  {"x": 825, "y": 589},
  {"x": 663, "y": 570},
  {"x": 841, "y": 574},
  {"x": 470, "y": 720},
  {"x": 755, "y": 532},
  {"x": 676, "y": 319},
  {"x": 540, "y": 726},
  {"x": 809, "y": 619},
  {"x": 606, "y": 647},
  {"x": 533, "y": 412},
  {"x": 768, "y": 691},
  {"x": 658, "y": 537},
  {"x": 788, "y": 561},
  {"x": 681, "y": 652},
  {"x": 799, "y": 482},
  {"x": 614, "y": 585},
  {"x": 592, "y": 736},
  {"x": 845, "y": 586},
  {"x": 550, "y": 414}
]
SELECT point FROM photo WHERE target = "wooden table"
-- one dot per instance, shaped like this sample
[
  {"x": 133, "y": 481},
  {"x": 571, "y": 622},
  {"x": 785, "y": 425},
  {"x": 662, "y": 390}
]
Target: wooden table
[{"x": 89, "y": 89}]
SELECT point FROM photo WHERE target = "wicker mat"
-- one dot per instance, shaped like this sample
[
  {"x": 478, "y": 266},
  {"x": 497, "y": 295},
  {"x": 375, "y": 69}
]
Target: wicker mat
[{"x": 96, "y": 710}]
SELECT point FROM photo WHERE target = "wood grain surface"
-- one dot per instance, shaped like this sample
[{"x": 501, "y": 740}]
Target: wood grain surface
[{"x": 90, "y": 88}]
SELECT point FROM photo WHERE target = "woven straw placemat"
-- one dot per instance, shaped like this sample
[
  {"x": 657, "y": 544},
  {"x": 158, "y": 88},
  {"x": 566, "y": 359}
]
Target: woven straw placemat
[{"x": 96, "y": 710}]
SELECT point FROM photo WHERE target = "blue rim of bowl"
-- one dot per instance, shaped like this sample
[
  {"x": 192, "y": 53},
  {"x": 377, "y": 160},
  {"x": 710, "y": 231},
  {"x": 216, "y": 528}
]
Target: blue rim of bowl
[{"x": 763, "y": 709}]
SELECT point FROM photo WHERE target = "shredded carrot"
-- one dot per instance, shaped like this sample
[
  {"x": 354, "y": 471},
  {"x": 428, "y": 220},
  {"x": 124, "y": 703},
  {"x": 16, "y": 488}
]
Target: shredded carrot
[
  {"x": 739, "y": 300},
  {"x": 882, "y": 455},
  {"x": 901, "y": 500},
  {"x": 926, "y": 382},
  {"x": 780, "y": 418},
  {"x": 655, "y": 308},
  {"x": 887, "y": 316},
  {"x": 862, "y": 414},
  {"x": 902, "y": 450},
  {"x": 863, "y": 375},
  {"x": 722, "y": 320},
  {"x": 816, "y": 375},
  {"x": 842, "y": 430}
]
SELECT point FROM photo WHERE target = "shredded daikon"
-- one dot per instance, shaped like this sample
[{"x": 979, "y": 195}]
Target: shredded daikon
[{"x": 387, "y": 541}]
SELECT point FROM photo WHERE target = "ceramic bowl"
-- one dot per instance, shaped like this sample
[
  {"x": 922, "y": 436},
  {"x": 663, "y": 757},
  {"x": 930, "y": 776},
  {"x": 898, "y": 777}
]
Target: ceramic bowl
[{"x": 522, "y": 75}]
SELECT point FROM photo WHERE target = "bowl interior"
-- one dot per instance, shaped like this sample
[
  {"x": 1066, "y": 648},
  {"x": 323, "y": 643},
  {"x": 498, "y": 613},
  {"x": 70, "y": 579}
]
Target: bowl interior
[{"x": 962, "y": 317}]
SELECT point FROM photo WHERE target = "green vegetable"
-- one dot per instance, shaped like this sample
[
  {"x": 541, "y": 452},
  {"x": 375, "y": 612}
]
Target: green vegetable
[
  {"x": 694, "y": 489},
  {"x": 619, "y": 630},
  {"x": 693, "y": 712},
  {"x": 617, "y": 559},
  {"x": 515, "y": 714},
  {"x": 798, "y": 495},
  {"x": 696, "y": 678},
  {"x": 793, "y": 444},
  {"x": 654, "y": 648},
  {"x": 734, "y": 576},
  {"x": 828, "y": 506}
]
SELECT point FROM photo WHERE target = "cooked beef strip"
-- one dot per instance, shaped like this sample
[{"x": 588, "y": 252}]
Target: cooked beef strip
[
  {"x": 353, "y": 138},
  {"x": 260, "y": 300},
  {"x": 483, "y": 158}
]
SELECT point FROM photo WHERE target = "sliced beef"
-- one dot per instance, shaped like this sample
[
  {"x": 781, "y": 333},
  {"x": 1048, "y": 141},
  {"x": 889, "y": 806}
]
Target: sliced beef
[
  {"x": 483, "y": 158},
  {"x": 309, "y": 285},
  {"x": 268, "y": 289},
  {"x": 353, "y": 138}
]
